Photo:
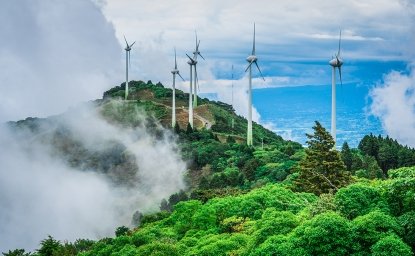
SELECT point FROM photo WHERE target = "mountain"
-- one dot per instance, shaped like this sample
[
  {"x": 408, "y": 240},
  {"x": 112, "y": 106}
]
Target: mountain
[{"x": 238, "y": 200}]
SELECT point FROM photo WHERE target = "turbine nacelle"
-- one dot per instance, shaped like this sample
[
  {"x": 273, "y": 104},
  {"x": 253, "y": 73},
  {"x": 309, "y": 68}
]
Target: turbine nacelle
[
  {"x": 191, "y": 61},
  {"x": 175, "y": 71},
  {"x": 336, "y": 62},
  {"x": 129, "y": 46},
  {"x": 251, "y": 58}
]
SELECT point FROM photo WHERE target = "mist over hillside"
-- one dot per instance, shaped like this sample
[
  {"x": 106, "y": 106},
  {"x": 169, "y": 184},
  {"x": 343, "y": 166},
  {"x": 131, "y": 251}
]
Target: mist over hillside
[{"x": 81, "y": 175}]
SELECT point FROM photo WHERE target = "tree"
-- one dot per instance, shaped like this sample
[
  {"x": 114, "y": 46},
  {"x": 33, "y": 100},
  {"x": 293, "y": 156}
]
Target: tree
[
  {"x": 347, "y": 156},
  {"x": 326, "y": 234},
  {"x": 17, "y": 252},
  {"x": 189, "y": 129},
  {"x": 391, "y": 246},
  {"x": 250, "y": 167},
  {"x": 369, "y": 228},
  {"x": 230, "y": 139},
  {"x": 121, "y": 231},
  {"x": 177, "y": 129},
  {"x": 49, "y": 247},
  {"x": 322, "y": 170},
  {"x": 369, "y": 145},
  {"x": 359, "y": 199}
]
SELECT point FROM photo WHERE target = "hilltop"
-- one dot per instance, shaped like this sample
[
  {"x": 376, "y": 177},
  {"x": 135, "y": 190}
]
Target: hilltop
[{"x": 212, "y": 115}]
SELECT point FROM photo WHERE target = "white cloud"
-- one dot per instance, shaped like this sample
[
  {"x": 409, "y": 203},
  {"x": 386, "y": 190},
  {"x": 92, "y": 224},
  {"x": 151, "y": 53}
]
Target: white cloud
[
  {"x": 54, "y": 54},
  {"x": 394, "y": 103}
]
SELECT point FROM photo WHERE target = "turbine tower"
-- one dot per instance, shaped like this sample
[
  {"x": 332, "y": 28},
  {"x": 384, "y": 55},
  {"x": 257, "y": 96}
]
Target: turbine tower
[
  {"x": 175, "y": 72},
  {"x": 336, "y": 62},
  {"x": 233, "y": 120},
  {"x": 191, "y": 63},
  {"x": 196, "y": 83},
  {"x": 127, "y": 63},
  {"x": 251, "y": 59}
]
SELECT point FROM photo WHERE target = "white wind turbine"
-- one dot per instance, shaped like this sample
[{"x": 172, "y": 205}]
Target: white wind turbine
[
  {"x": 233, "y": 120},
  {"x": 191, "y": 63},
  {"x": 127, "y": 63},
  {"x": 251, "y": 59},
  {"x": 336, "y": 62},
  {"x": 196, "y": 84},
  {"x": 175, "y": 72}
]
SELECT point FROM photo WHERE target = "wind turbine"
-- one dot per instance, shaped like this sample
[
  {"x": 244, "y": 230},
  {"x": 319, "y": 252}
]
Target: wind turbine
[
  {"x": 127, "y": 63},
  {"x": 251, "y": 59},
  {"x": 175, "y": 72},
  {"x": 191, "y": 63},
  {"x": 196, "y": 83},
  {"x": 336, "y": 62},
  {"x": 233, "y": 120}
]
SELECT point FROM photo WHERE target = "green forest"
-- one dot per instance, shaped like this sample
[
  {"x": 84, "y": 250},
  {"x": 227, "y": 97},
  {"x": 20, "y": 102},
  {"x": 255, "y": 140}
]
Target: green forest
[{"x": 275, "y": 198}]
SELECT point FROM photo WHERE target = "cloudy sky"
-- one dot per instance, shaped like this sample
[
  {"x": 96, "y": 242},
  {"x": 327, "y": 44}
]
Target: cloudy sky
[
  {"x": 295, "y": 39},
  {"x": 55, "y": 54}
]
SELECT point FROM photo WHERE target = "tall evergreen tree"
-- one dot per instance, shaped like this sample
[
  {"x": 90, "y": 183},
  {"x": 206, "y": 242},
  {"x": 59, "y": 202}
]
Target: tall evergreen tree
[
  {"x": 322, "y": 170},
  {"x": 347, "y": 156},
  {"x": 189, "y": 129}
]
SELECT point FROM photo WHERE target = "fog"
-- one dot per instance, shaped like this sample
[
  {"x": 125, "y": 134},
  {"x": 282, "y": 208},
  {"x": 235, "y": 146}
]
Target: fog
[
  {"x": 41, "y": 193},
  {"x": 54, "y": 54}
]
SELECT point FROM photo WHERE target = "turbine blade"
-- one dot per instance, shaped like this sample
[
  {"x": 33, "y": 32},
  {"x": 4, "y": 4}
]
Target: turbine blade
[
  {"x": 196, "y": 39},
  {"x": 201, "y": 56},
  {"x": 132, "y": 44},
  {"x": 197, "y": 80},
  {"x": 253, "y": 47},
  {"x": 189, "y": 57},
  {"x": 175, "y": 60},
  {"x": 180, "y": 76},
  {"x": 340, "y": 75},
  {"x": 259, "y": 70},
  {"x": 248, "y": 66},
  {"x": 340, "y": 39},
  {"x": 126, "y": 41}
]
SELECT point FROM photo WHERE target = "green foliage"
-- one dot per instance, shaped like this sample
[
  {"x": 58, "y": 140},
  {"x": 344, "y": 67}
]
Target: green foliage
[
  {"x": 391, "y": 246},
  {"x": 121, "y": 231},
  {"x": 49, "y": 247},
  {"x": 359, "y": 199},
  {"x": 388, "y": 153},
  {"x": 404, "y": 172},
  {"x": 368, "y": 167},
  {"x": 325, "y": 234},
  {"x": 322, "y": 170},
  {"x": 274, "y": 222},
  {"x": 16, "y": 252},
  {"x": 278, "y": 245},
  {"x": 369, "y": 228},
  {"x": 157, "y": 249},
  {"x": 400, "y": 192},
  {"x": 222, "y": 244},
  {"x": 407, "y": 222},
  {"x": 347, "y": 156}
]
